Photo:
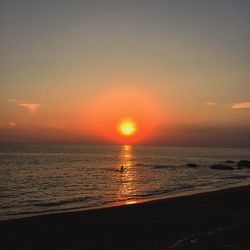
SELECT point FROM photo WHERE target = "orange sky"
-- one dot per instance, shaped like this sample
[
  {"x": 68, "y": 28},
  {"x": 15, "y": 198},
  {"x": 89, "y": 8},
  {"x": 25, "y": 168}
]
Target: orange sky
[
  {"x": 71, "y": 72},
  {"x": 105, "y": 114}
]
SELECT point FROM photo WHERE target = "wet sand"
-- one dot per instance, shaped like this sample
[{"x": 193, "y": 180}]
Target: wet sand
[{"x": 214, "y": 220}]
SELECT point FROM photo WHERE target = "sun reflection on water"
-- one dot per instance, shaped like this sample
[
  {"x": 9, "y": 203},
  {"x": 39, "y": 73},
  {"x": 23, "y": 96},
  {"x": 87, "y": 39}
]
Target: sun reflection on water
[
  {"x": 130, "y": 202},
  {"x": 128, "y": 175}
]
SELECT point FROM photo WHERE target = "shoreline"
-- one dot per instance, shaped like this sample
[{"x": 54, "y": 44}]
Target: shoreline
[
  {"x": 129, "y": 202},
  {"x": 190, "y": 220}
]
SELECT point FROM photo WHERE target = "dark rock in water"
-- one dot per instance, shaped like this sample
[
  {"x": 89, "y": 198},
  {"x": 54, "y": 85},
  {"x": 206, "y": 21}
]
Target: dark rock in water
[
  {"x": 229, "y": 162},
  {"x": 243, "y": 164},
  {"x": 192, "y": 165},
  {"x": 221, "y": 167}
]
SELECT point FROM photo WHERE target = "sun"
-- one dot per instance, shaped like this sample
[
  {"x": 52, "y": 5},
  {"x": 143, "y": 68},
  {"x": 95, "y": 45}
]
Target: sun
[{"x": 127, "y": 128}]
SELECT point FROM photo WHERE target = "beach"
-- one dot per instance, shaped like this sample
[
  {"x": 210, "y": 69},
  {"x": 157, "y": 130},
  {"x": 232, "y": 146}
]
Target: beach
[{"x": 212, "y": 220}]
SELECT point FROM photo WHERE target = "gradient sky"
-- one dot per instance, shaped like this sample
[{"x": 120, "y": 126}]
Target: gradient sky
[{"x": 179, "y": 67}]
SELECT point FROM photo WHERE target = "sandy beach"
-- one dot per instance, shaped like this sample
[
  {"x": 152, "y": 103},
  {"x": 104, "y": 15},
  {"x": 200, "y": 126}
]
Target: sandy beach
[{"x": 213, "y": 220}]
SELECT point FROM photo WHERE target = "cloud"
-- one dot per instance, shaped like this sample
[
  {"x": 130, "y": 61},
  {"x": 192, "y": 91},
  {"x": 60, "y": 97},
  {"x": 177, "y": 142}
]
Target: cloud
[
  {"x": 31, "y": 107},
  {"x": 241, "y": 105},
  {"x": 210, "y": 103},
  {"x": 12, "y": 124},
  {"x": 8, "y": 125},
  {"x": 15, "y": 100}
]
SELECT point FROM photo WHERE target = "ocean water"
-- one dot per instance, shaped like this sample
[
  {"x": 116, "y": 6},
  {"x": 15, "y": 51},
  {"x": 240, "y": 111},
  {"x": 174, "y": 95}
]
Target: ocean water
[{"x": 48, "y": 178}]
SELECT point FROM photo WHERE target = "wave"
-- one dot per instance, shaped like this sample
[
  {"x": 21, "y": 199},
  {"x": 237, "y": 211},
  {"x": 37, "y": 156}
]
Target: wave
[
  {"x": 239, "y": 177},
  {"x": 157, "y": 166},
  {"x": 62, "y": 202}
]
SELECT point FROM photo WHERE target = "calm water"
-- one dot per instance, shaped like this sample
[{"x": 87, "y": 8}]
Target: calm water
[{"x": 51, "y": 178}]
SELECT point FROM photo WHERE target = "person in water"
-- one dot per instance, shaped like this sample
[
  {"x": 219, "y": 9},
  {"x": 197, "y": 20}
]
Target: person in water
[{"x": 122, "y": 169}]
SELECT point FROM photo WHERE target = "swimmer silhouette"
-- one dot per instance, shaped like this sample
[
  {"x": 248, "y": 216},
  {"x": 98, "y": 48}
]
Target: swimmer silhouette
[{"x": 122, "y": 169}]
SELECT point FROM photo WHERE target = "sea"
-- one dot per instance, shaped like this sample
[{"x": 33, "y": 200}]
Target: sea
[{"x": 50, "y": 178}]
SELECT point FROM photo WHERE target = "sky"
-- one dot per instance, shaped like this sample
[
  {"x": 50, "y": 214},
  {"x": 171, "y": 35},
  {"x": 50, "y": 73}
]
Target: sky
[{"x": 73, "y": 71}]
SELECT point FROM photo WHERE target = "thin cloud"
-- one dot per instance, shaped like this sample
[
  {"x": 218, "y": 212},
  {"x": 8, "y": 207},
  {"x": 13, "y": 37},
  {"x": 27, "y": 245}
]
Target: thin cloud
[
  {"x": 8, "y": 125},
  {"x": 210, "y": 103},
  {"x": 15, "y": 100},
  {"x": 12, "y": 124},
  {"x": 241, "y": 105},
  {"x": 31, "y": 107}
]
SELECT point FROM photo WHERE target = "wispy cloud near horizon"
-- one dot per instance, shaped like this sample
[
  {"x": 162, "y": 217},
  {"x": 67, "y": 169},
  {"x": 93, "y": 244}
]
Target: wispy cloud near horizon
[
  {"x": 31, "y": 107},
  {"x": 210, "y": 103},
  {"x": 12, "y": 124},
  {"x": 241, "y": 105},
  {"x": 8, "y": 125}
]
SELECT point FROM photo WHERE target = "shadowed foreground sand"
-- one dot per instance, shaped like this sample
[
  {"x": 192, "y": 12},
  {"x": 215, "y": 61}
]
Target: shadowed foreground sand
[{"x": 216, "y": 220}]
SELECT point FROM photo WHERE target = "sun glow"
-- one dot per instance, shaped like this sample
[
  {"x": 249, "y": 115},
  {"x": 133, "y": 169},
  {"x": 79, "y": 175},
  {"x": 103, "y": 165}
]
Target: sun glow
[
  {"x": 124, "y": 116},
  {"x": 127, "y": 128}
]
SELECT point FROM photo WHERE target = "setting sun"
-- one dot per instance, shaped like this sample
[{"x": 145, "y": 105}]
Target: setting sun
[{"x": 127, "y": 128}]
